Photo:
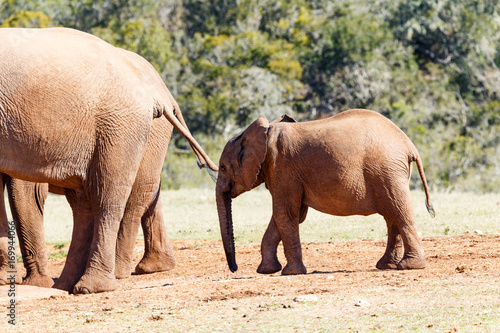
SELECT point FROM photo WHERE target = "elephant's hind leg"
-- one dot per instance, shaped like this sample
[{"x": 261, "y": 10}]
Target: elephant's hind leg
[
  {"x": 400, "y": 214},
  {"x": 394, "y": 250},
  {"x": 99, "y": 275},
  {"x": 79, "y": 249},
  {"x": 158, "y": 252},
  {"x": 109, "y": 184}
]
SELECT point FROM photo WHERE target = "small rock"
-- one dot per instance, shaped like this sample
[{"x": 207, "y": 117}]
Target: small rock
[
  {"x": 306, "y": 298},
  {"x": 478, "y": 232},
  {"x": 155, "y": 317},
  {"x": 362, "y": 303}
]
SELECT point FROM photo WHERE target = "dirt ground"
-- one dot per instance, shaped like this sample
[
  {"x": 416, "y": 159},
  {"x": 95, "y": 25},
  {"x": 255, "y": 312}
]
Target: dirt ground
[{"x": 202, "y": 275}]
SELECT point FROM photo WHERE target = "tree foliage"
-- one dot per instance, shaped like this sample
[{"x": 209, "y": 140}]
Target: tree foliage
[{"x": 429, "y": 65}]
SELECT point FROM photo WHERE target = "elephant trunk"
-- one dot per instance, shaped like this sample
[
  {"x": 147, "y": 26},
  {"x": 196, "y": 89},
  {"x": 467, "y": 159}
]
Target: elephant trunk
[{"x": 226, "y": 227}]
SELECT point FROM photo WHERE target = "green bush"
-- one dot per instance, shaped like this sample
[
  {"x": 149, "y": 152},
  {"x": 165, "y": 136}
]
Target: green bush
[{"x": 430, "y": 66}]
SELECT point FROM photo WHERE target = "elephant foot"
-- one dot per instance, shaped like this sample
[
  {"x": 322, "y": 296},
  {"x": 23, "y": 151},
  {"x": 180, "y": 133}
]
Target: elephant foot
[
  {"x": 8, "y": 278},
  {"x": 38, "y": 280},
  {"x": 122, "y": 270},
  {"x": 156, "y": 262},
  {"x": 412, "y": 263},
  {"x": 95, "y": 281},
  {"x": 66, "y": 282},
  {"x": 391, "y": 263},
  {"x": 294, "y": 269},
  {"x": 269, "y": 266},
  {"x": 386, "y": 265}
]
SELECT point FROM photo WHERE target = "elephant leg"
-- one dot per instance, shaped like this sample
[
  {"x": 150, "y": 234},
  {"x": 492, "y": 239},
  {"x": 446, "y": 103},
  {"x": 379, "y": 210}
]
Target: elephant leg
[
  {"x": 108, "y": 188},
  {"x": 8, "y": 262},
  {"x": 127, "y": 235},
  {"x": 158, "y": 251},
  {"x": 287, "y": 218},
  {"x": 26, "y": 202},
  {"x": 394, "y": 250},
  {"x": 413, "y": 257},
  {"x": 269, "y": 246},
  {"x": 81, "y": 239},
  {"x": 268, "y": 249},
  {"x": 108, "y": 211},
  {"x": 400, "y": 214},
  {"x": 146, "y": 204}
]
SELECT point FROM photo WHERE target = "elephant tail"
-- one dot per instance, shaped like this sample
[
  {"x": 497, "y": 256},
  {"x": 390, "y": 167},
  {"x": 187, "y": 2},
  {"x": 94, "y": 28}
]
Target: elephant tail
[
  {"x": 420, "y": 168},
  {"x": 175, "y": 118}
]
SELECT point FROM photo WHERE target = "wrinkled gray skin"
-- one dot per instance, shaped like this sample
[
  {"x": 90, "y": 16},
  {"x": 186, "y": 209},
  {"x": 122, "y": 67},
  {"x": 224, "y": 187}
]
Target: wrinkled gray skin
[
  {"x": 77, "y": 113},
  {"x": 143, "y": 207},
  {"x": 355, "y": 163}
]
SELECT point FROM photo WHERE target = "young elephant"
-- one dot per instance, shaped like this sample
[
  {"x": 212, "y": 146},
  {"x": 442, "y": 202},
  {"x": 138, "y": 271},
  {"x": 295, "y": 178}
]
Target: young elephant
[{"x": 355, "y": 163}]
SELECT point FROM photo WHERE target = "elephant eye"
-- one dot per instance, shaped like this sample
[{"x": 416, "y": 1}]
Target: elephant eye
[{"x": 223, "y": 168}]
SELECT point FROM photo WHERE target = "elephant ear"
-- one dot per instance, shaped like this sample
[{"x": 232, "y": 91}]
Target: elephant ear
[
  {"x": 283, "y": 119},
  {"x": 253, "y": 151}
]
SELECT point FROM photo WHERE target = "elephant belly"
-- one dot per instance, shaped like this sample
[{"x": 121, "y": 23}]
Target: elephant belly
[
  {"x": 340, "y": 208},
  {"x": 341, "y": 200},
  {"x": 58, "y": 175},
  {"x": 59, "y": 163}
]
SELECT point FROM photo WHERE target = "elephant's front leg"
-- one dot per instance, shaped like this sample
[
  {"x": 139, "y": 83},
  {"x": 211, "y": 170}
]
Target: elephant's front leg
[
  {"x": 269, "y": 246},
  {"x": 158, "y": 252},
  {"x": 8, "y": 261},
  {"x": 26, "y": 203},
  {"x": 287, "y": 218},
  {"x": 127, "y": 236},
  {"x": 268, "y": 249}
]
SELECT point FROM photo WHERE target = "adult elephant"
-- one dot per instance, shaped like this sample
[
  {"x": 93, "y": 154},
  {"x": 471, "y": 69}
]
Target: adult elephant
[
  {"x": 77, "y": 113},
  {"x": 143, "y": 207},
  {"x": 355, "y": 163}
]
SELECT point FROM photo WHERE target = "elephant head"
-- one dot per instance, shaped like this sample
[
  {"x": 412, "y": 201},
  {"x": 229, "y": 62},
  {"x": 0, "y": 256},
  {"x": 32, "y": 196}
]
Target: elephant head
[{"x": 239, "y": 168}]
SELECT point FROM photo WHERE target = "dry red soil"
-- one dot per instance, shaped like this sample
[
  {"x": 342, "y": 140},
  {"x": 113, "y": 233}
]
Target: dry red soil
[{"x": 202, "y": 275}]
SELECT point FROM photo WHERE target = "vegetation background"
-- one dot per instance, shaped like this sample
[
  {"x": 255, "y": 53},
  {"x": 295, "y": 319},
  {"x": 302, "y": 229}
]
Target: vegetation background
[{"x": 430, "y": 66}]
